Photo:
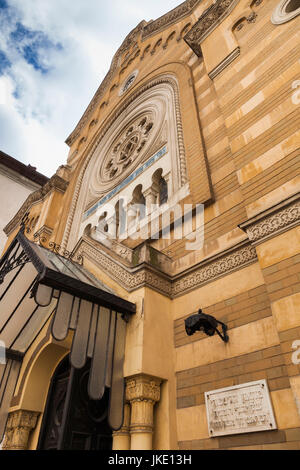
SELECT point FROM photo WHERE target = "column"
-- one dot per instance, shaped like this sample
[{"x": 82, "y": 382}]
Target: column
[
  {"x": 121, "y": 438},
  {"x": 142, "y": 391},
  {"x": 19, "y": 425}
]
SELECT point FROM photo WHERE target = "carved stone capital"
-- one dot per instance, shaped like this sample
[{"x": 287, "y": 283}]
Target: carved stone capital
[
  {"x": 142, "y": 391},
  {"x": 19, "y": 425}
]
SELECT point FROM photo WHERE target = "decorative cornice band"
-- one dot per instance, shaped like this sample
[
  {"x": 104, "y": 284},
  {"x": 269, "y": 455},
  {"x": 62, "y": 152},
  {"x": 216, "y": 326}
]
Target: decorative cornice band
[
  {"x": 278, "y": 219},
  {"x": 55, "y": 183},
  {"x": 210, "y": 19},
  {"x": 145, "y": 275}
]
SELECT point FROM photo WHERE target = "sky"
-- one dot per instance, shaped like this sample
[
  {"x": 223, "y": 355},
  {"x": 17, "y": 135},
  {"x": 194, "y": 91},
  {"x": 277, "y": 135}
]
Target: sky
[{"x": 53, "y": 56}]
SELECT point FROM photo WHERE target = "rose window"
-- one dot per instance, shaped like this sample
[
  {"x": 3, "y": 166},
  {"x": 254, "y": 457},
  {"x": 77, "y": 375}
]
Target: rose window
[{"x": 126, "y": 149}]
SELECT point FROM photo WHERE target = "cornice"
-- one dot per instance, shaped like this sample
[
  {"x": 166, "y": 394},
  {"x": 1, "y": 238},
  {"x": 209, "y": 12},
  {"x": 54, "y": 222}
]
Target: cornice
[
  {"x": 276, "y": 220},
  {"x": 143, "y": 30},
  {"x": 147, "y": 275},
  {"x": 207, "y": 22},
  {"x": 169, "y": 18},
  {"x": 55, "y": 183}
]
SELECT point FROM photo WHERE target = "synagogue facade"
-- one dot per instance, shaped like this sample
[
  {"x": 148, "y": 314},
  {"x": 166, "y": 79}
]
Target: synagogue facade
[{"x": 180, "y": 197}]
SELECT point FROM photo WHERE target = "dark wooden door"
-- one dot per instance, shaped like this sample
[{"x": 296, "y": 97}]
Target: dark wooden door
[{"x": 72, "y": 421}]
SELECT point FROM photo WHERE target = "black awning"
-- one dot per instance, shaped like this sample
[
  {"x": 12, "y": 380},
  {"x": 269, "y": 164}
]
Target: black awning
[{"x": 36, "y": 284}]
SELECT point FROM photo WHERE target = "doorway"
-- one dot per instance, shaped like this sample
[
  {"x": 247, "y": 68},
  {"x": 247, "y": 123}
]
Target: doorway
[{"x": 72, "y": 421}]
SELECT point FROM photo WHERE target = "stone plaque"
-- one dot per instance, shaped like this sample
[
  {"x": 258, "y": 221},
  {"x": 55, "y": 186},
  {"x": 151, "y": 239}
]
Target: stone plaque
[{"x": 239, "y": 409}]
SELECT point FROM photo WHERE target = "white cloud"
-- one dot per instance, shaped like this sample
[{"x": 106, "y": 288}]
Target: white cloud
[{"x": 39, "y": 110}]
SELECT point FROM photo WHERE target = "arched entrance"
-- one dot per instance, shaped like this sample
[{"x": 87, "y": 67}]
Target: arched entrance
[{"x": 72, "y": 421}]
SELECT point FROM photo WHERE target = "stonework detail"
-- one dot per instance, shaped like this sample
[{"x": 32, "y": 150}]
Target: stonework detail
[
  {"x": 143, "y": 387},
  {"x": 283, "y": 218},
  {"x": 132, "y": 278},
  {"x": 207, "y": 22},
  {"x": 142, "y": 30},
  {"x": 142, "y": 392},
  {"x": 208, "y": 273},
  {"x": 126, "y": 149},
  {"x": 19, "y": 425}
]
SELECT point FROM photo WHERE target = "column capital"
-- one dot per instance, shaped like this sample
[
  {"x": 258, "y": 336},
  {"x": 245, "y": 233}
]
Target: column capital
[{"x": 143, "y": 387}]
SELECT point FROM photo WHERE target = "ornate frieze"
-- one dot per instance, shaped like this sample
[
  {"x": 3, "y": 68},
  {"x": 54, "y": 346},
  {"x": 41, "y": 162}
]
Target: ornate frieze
[
  {"x": 278, "y": 219},
  {"x": 224, "y": 265},
  {"x": 168, "y": 84},
  {"x": 19, "y": 425},
  {"x": 207, "y": 23},
  {"x": 143, "y": 30}
]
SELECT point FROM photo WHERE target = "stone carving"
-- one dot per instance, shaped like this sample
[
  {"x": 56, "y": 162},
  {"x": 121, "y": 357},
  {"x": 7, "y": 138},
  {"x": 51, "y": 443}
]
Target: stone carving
[
  {"x": 132, "y": 278},
  {"x": 144, "y": 30},
  {"x": 128, "y": 42},
  {"x": 207, "y": 22},
  {"x": 143, "y": 387},
  {"x": 142, "y": 392},
  {"x": 95, "y": 143},
  {"x": 240, "y": 409},
  {"x": 19, "y": 425},
  {"x": 275, "y": 222},
  {"x": 174, "y": 15}
]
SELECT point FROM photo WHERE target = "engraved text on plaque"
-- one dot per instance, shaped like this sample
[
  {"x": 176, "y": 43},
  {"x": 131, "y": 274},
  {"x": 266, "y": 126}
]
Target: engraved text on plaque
[{"x": 239, "y": 409}]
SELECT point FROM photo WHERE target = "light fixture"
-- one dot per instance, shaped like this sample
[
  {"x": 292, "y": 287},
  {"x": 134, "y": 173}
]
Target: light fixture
[{"x": 207, "y": 323}]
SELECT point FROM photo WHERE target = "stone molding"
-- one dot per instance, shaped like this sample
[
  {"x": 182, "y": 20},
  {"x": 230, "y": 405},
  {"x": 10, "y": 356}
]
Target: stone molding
[
  {"x": 91, "y": 149},
  {"x": 276, "y": 220},
  {"x": 147, "y": 275},
  {"x": 125, "y": 429},
  {"x": 143, "y": 387},
  {"x": 19, "y": 425},
  {"x": 207, "y": 22},
  {"x": 55, "y": 183}
]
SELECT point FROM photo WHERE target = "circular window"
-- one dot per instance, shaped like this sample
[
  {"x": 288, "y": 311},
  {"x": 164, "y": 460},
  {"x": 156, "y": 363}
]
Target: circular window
[
  {"x": 128, "y": 82},
  {"x": 286, "y": 11}
]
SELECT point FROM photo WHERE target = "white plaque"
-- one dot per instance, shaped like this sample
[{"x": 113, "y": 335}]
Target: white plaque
[{"x": 239, "y": 409}]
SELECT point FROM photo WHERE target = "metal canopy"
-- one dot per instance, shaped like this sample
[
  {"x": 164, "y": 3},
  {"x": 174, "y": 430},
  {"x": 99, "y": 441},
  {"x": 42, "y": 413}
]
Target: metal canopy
[{"x": 36, "y": 283}]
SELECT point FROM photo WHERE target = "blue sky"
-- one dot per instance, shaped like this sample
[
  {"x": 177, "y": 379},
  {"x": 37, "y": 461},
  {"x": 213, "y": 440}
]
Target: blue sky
[{"x": 53, "y": 56}]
